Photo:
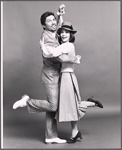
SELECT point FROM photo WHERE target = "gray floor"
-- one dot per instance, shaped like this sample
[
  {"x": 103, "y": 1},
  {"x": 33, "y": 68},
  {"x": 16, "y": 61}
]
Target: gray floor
[{"x": 27, "y": 131}]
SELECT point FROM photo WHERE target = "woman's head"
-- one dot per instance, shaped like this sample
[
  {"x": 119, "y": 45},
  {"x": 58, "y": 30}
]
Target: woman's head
[
  {"x": 66, "y": 33},
  {"x": 66, "y": 36}
]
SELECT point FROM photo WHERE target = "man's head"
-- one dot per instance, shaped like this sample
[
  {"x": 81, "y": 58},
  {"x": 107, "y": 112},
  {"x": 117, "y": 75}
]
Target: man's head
[{"x": 49, "y": 21}]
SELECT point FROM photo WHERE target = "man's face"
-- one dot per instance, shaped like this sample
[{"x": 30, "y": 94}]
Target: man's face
[{"x": 51, "y": 23}]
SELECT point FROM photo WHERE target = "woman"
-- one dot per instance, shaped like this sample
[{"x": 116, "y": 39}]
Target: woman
[{"x": 71, "y": 108}]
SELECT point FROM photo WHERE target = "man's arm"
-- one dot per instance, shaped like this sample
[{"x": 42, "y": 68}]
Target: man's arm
[
  {"x": 59, "y": 52},
  {"x": 60, "y": 14},
  {"x": 49, "y": 50}
]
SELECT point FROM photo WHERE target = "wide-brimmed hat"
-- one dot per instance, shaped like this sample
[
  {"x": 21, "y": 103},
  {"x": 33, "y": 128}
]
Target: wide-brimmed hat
[{"x": 67, "y": 26}]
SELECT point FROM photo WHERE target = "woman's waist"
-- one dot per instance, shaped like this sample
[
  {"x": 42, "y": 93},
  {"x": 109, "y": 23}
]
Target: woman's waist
[{"x": 67, "y": 69}]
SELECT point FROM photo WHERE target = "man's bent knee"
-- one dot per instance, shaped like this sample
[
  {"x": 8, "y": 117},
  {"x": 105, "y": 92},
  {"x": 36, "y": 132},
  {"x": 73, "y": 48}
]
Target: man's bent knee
[{"x": 54, "y": 107}]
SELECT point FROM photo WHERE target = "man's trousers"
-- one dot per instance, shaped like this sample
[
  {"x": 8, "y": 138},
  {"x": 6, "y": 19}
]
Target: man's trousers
[{"x": 51, "y": 84}]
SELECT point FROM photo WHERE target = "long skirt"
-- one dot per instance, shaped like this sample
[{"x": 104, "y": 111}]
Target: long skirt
[{"x": 69, "y": 98}]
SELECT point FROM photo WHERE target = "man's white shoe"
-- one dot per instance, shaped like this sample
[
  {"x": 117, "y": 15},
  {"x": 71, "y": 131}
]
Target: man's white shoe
[
  {"x": 21, "y": 102},
  {"x": 55, "y": 141}
]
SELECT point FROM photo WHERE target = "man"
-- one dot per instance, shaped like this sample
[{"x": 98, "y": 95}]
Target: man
[{"x": 50, "y": 80}]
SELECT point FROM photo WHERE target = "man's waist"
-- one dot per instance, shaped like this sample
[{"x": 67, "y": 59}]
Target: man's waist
[{"x": 52, "y": 67}]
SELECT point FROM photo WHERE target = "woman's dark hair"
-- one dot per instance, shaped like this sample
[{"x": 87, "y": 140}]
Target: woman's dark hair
[
  {"x": 72, "y": 38},
  {"x": 44, "y": 16}
]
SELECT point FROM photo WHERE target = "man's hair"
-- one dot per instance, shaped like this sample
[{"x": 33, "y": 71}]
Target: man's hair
[
  {"x": 44, "y": 16},
  {"x": 72, "y": 38}
]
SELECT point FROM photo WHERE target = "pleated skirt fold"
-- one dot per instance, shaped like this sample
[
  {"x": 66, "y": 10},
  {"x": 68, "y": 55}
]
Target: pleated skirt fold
[{"x": 69, "y": 98}]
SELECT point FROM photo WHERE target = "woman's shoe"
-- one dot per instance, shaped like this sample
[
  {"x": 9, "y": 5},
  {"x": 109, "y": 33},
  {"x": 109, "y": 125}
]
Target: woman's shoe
[
  {"x": 73, "y": 140},
  {"x": 97, "y": 103}
]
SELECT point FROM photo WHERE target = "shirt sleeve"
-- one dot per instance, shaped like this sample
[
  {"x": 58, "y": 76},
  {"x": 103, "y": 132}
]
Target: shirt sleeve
[{"x": 49, "y": 51}]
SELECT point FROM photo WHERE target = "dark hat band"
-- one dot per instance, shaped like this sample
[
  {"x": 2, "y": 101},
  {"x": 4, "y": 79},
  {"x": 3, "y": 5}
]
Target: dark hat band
[{"x": 66, "y": 26}]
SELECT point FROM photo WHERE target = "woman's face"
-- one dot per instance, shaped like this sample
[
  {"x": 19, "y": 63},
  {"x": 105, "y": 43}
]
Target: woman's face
[{"x": 65, "y": 35}]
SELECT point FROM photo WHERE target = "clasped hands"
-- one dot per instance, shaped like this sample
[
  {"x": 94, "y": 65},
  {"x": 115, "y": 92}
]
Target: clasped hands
[{"x": 61, "y": 10}]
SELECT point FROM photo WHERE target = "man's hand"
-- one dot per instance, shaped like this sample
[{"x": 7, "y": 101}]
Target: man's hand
[
  {"x": 61, "y": 10},
  {"x": 77, "y": 59},
  {"x": 41, "y": 42}
]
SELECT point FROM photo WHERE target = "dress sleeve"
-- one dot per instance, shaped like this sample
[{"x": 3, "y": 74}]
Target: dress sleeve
[
  {"x": 60, "y": 53},
  {"x": 66, "y": 58},
  {"x": 49, "y": 51},
  {"x": 68, "y": 55}
]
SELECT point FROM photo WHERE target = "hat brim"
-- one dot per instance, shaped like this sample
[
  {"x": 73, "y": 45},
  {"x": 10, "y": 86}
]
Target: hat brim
[{"x": 59, "y": 30}]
